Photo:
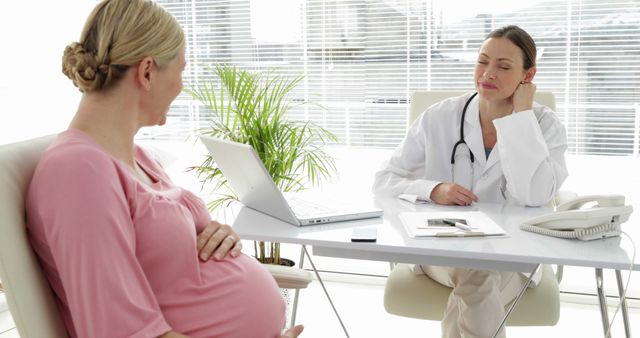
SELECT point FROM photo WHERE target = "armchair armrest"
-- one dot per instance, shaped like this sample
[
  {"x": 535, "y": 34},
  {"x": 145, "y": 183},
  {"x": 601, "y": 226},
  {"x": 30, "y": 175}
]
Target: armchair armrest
[{"x": 289, "y": 277}]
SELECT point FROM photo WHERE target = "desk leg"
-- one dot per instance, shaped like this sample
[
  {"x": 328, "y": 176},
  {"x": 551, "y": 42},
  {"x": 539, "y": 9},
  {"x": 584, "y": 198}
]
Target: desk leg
[
  {"x": 515, "y": 301},
  {"x": 304, "y": 248},
  {"x": 297, "y": 292},
  {"x": 602, "y": 298},
  {"x": 623, "y": 305}
]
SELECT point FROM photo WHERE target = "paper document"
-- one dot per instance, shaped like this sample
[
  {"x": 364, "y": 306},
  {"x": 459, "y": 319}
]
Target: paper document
[{"x": 450, "y": 224}]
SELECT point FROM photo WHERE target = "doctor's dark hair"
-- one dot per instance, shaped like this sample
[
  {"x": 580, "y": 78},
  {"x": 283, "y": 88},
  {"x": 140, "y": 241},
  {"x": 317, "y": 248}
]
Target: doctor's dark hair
[
  {"x": 118, "y": 34},
  {"x": 520, "y": 38}
]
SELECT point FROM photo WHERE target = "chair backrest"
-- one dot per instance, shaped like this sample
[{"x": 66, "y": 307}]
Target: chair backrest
[
  {"x": 31, "y": 300},
  {"x": 421, "y": 100}
]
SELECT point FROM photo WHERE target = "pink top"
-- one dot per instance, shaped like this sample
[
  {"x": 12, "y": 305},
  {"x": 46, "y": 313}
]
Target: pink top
[{"x": 121, "y": 256}]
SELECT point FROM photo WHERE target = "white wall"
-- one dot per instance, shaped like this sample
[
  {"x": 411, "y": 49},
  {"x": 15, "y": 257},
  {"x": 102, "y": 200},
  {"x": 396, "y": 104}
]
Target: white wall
[{"x": 36, "y": 98}]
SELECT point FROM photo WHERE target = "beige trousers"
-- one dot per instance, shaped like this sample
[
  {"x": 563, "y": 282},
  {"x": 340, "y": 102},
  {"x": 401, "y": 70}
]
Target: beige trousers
[{"x": 476, "y": 303}]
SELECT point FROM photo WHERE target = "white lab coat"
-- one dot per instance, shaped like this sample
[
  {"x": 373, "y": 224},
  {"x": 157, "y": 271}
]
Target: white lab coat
[{"x": 526, "y": 166}]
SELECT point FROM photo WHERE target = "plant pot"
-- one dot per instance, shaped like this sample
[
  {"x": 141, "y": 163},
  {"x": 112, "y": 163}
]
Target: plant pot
[{"x": 283, "y": 261}]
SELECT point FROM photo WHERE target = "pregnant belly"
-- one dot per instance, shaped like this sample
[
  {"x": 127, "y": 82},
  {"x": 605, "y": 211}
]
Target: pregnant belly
[{"x": 237, "y": 298}]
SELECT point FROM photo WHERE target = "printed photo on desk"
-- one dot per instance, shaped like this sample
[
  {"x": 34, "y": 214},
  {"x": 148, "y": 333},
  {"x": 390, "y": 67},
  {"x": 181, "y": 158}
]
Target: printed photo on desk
[{"x": 450, "y": 224}]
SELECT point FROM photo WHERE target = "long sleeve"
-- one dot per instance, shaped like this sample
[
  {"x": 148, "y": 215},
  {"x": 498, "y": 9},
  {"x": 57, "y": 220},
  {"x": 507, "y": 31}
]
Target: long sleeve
[
  {"x": 532, "y": 148},
  {"x": 404, "y": 172}
]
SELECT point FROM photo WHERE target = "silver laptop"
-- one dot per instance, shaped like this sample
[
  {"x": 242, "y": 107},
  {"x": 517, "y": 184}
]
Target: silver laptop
[{"x": 251, "y": 181}]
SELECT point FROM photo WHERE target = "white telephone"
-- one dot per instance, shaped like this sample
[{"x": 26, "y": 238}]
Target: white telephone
[{"x": 569, "y": 221}]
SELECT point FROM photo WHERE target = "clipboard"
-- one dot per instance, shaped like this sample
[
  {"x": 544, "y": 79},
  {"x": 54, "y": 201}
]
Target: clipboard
[{"x": 431, "y": 224}]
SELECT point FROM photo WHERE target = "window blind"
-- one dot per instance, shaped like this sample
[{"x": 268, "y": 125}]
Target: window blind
[{"x": 362, "y": 59}]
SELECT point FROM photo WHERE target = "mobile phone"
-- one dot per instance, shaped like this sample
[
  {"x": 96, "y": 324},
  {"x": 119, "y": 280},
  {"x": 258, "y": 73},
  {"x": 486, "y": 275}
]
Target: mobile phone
[{"x": 364, "y": 234}]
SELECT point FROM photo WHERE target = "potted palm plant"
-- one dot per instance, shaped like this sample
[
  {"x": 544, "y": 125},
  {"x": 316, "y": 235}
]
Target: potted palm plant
[{"x": 250, "y": 107}]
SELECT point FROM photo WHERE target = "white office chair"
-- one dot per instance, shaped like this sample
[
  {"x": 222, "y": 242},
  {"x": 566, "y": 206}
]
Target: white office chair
[
  {"x": 421, "y": 100},
  {"x": 28, "y": 295},
  {"x": 418, "y": 296}
]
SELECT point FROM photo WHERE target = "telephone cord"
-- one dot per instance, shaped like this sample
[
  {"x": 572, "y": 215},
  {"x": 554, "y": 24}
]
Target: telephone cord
[{"x": 577, "y": 233}]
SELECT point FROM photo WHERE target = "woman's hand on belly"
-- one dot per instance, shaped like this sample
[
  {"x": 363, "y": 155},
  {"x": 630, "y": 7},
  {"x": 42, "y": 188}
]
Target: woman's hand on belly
[
  {"x": 172, "y": 334},
  {"x": 293, "y": 332},
  {"x": 218, "y": 240}
]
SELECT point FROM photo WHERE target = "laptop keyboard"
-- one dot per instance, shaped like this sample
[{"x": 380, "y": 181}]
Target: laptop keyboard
[{"x": 306, "y": 208}]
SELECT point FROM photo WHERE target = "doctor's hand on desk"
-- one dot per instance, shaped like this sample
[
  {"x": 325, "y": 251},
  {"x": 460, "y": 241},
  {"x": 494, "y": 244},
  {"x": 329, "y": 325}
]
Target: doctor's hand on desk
[{"x": 452, "y": 194}]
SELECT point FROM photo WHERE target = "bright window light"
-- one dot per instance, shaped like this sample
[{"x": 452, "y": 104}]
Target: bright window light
[{"x": 276, "y": 21}]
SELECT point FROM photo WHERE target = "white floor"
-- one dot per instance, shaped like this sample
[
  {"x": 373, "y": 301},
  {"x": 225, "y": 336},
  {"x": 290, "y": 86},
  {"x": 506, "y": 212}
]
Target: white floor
[
  {"x": 359, "y": 302},
  {"x": 360, "y": 306}
]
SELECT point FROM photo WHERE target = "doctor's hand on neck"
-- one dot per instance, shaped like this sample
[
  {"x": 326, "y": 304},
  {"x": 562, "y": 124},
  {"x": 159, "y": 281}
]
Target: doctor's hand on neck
[
  {"x": 452, "y": 194},
  {"x": 522, "y": 98}
]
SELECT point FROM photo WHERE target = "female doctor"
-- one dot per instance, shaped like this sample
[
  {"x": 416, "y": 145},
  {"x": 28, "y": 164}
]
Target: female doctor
[{"x": 494, "y": 145}]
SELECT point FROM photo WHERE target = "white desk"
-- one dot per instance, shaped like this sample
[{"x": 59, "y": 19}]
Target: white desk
[{"x": 519, "y": 251}]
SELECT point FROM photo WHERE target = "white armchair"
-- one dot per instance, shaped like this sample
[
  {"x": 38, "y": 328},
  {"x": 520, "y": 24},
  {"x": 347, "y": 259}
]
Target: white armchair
[
  {"x": 29, "y": 297},
  {"x": 421, "y": 100}
]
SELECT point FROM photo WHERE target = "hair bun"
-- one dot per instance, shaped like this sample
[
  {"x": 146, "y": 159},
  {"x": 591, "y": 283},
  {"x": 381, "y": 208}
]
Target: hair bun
[{"x": 82, "y": 68}]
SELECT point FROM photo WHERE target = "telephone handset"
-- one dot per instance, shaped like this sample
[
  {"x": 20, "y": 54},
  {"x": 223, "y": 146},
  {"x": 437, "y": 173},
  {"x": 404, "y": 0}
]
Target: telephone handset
[{"x": 601, "y": 220}]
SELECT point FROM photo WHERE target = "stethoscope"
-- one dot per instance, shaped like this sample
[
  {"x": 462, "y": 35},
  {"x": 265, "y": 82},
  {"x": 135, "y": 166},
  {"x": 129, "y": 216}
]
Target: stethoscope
[{"x": 461, "y": 141}]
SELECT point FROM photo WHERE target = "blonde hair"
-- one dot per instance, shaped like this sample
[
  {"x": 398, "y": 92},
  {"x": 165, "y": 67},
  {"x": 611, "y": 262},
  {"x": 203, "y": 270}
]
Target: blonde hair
[{"x": 117, "y": 35}]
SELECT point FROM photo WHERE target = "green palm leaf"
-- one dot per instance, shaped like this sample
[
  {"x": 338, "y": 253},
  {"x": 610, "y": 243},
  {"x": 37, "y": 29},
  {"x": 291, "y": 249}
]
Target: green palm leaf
[{"x": 251, "y": 107}]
